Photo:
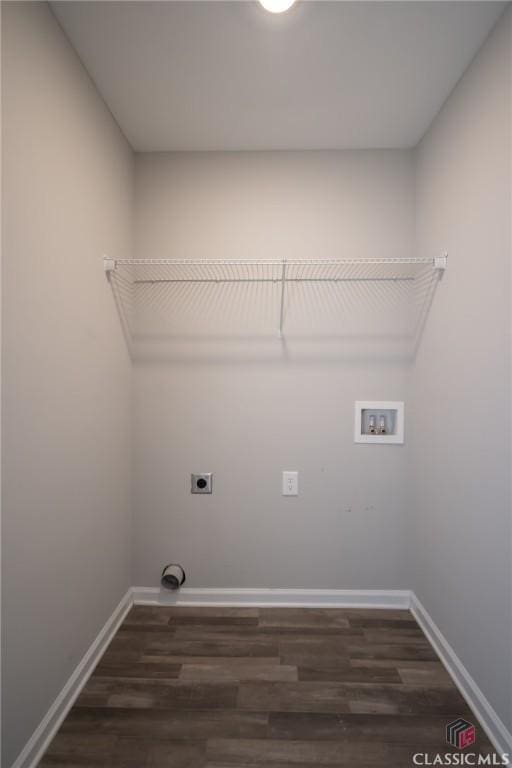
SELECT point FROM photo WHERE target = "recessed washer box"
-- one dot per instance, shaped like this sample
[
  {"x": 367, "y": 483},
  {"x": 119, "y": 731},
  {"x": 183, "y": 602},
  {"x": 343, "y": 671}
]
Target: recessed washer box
[{"x": 379, "y": 421}]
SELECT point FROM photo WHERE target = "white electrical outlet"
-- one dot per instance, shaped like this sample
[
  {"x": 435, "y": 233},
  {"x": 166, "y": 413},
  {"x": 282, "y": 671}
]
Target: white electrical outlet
[{"x": 290, "y": 483}]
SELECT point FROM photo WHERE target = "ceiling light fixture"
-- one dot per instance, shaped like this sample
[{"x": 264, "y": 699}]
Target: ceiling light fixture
[{"x": 277, "y": 6}]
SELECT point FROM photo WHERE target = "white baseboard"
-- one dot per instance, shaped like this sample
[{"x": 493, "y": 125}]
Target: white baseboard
[
  {"x": 50, "y": 724},
  {"x": 488, "y": 718},
  {"x": 302, "y": 598}
]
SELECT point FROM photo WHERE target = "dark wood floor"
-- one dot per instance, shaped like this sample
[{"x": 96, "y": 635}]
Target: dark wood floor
[{"x": 236, "y": 687}]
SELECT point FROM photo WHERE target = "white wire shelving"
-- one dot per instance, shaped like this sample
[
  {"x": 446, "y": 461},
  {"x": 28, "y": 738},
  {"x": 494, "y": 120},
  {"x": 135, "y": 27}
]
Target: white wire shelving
[{"x": 145, "y": 286}]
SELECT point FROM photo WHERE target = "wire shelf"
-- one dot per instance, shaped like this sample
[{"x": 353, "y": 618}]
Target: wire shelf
[{"x": 163, "y": 296}]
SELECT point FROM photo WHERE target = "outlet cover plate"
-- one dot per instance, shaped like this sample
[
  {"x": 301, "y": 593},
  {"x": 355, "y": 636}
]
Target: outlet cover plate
[
  {"x": 201, "y": 482},
  {"x": 290, "y": 483}
]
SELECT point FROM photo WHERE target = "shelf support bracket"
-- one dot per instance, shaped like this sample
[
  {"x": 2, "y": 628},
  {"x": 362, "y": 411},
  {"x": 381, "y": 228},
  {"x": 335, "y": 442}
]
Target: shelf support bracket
[
  {"x": 440, "y": 263},
  {"x": 109, "y": 265},
  {"x": 281, "y": 314}
]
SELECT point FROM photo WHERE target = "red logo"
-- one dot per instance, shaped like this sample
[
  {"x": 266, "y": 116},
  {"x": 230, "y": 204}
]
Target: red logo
[{"x": 460, "y": 734}]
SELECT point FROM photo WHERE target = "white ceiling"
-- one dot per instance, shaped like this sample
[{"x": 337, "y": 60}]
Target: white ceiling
[{"x": 229, "y": 75}]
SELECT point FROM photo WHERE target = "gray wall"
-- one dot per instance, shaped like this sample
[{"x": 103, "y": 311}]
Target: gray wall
[
  {"x": 248, "y": 408},
  {"x": 67, "y": 186},
  {"x": 460, "y": 388}
]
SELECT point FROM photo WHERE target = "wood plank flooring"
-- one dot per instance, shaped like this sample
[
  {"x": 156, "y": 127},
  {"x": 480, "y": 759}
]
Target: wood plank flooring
[{"x": 239, "y": 687}]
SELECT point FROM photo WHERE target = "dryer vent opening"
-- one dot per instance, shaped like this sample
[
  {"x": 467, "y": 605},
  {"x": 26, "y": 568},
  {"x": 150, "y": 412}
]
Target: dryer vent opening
[{"x": 173, "y": 576}]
